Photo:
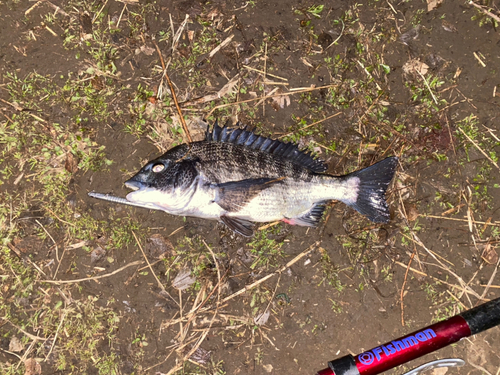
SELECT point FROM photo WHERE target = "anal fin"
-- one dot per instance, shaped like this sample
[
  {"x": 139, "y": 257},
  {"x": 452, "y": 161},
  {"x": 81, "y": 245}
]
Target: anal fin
[
  {"x": 309, "y": 219},
  {"x": 241, "y": 226}
]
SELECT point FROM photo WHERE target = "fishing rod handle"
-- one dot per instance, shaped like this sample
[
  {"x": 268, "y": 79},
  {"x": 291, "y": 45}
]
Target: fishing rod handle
[
  {"x": 483, "y": 317},
  {"x": 418, "y": 343}
]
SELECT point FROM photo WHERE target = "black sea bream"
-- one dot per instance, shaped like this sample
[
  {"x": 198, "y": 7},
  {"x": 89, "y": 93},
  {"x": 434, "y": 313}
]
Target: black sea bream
[{"x": 238, "y": 177}]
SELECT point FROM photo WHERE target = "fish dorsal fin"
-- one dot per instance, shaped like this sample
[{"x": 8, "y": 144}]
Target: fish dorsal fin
[{"x": 247, "y": 138}]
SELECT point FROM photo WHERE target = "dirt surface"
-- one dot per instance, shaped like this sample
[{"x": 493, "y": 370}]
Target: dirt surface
[{"x": 84, "y": 104}]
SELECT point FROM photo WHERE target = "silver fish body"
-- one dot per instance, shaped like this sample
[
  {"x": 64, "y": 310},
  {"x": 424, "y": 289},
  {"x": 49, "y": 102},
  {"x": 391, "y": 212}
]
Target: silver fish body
[{"x": 239, "y": 177}]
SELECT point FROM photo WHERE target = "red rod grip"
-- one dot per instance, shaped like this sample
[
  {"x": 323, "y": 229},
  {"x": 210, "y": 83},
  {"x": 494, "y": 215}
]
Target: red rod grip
[
  {"x": 414, "y": 345},
  {"x": 401, "y": 350},
  {"x": 418, "y": 343}
]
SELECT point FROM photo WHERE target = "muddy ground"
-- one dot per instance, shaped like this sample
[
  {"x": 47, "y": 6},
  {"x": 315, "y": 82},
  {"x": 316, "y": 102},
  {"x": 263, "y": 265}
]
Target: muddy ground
[{"x": 90, "y": 287}]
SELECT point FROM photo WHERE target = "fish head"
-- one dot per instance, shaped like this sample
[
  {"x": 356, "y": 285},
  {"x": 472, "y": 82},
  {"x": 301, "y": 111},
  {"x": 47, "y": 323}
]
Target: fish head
[{"x": 163, "y": 183}]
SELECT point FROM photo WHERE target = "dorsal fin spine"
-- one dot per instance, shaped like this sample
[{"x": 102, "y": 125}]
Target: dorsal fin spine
[{"x": 247, "y": 138}]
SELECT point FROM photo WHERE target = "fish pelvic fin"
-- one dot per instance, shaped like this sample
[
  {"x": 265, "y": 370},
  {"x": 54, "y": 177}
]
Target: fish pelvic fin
[
  {"x": 240, "y": 226},
  {"x": 372, "y": 184}
]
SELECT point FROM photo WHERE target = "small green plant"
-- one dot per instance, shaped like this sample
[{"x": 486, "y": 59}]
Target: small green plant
[
  {"x": 266, "y": 251},
  {"x": 330, "y": 272},
  {"x": 315, "y": 10}
]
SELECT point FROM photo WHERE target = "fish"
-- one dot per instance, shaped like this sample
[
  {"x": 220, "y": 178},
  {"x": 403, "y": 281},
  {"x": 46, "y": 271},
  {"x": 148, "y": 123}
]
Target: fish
[{"x": 239, "y": 178}]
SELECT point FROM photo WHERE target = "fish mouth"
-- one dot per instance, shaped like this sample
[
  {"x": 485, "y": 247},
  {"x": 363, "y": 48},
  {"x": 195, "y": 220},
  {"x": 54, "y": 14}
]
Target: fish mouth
[{"x": 134, "y": 184}]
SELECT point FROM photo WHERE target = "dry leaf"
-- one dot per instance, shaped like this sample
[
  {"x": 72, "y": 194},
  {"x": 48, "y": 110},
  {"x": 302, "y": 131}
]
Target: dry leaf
[
  {"x": 146, "y": 50},
  {"x": 262, "y": 319},
  {"x": 447, "y": 26},
  {"x": 439, "y": 371},
  {"x": 280, "y": 101},
  {"x": 200, "y": 356},
  {"x": 229, "y": 87},
  {"x": 268, "y": 368},
  {"x": 159, "y": 246},
  {"x": 183, "y": 280},
  {"x": 71, "y": 163},
  {"x": 415, "y": 66},
  {"x": 97, "y": 254},
  {"x": 15, "y": 345},
  {"x": 411, "y": 211},
  {"x": 32, "y": 367},
  {"x": 489, "y": 254},
  {"x": 433, "y": 4},
  {"x": 410, "y": 35}
]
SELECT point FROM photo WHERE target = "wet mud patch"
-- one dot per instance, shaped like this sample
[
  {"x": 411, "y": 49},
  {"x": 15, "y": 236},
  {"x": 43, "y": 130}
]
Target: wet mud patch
[{"x": 92, "y": 287}]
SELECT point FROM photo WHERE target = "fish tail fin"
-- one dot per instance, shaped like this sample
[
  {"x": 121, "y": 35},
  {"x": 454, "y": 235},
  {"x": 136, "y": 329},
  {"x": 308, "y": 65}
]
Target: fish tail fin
[{"x": 372, "y": 183}]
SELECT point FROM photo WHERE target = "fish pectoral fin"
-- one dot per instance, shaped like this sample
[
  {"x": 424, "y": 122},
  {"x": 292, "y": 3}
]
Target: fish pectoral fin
[
  {"x": 233, "y": 196},
  {"x": 241, "y": 226}
]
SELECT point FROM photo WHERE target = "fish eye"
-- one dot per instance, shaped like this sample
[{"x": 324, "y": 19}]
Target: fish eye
[{"x": 157, "y": 168}]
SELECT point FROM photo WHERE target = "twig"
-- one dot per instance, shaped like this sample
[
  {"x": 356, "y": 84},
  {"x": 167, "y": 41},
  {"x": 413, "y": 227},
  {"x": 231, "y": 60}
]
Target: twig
[
  {"x": 267, "y": 82},
  {"x": 428, "y": 87},
  {"x": 369, "y": 75},
  {"x": 436, "y": 254},
  {"x": 492, "y": 286},
  {"x": 481, "y": 62},
  {"x": 218, "y": 270},
  {"x": 480, "y": 368},
  {"x": 100, "y": 11},
  {"x": 479, "y": 148},
  {"x": 314, "y": 123},
  {"x": 265, "y": 71},
  {"x": 292, "y": 91},
  {"x": 263, "y": 98},
  {"x": 59, "y": 282},
  {"x": 31, "y": 336},
  {"x": 265, "y": 74},
  {"x": 190, "y": 353},
  {"x": 368, "y": 111},
  {"x": 48, "y": 234},
  {"x": 160, "y": 55},
  {"x": 177, "y": 35},
  {"x": 26, "y": 354},
  {"x": 340, "y": 36},
  {"x": 181, "y": 117},
  {"x": 181, "y": 327},
  {"x": 220, "y": 46},
  {"x": 461, "y": 281},
  {"x": 156, "y": 365},
  {"x": 12, "y": 353},
  {"x": 149, "y": 264},
  {"x": 55, "y": 336},
  {"x": 490, "y": 281},
  {"x": 30, "y": 9},
  {"x": 437, "y": 279},
  {"x": 58, "y": 218},
  {"x": 174, "y": 96},
  {"x": 260, "y": 281},
  {"x": 272, "y": 297},
  {"x": 456, "y": 299},
  {"x": 121, "y": 14},
  {"x": 226, "y": 89},
  {"x": 495, "y": 224},
  {"x": 403, "y": 287},
  {"x": 489, "y": 14}
]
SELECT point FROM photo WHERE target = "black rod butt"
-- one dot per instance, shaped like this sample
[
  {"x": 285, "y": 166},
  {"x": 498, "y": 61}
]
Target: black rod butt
[
  {"x": 483, "y": 317},
  {"x": 344, "y": 366}
]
